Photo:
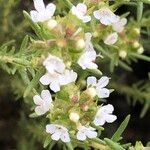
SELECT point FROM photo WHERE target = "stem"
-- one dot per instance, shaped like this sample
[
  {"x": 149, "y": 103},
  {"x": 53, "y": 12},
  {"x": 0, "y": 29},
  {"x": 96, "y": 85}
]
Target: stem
[
  {"x": 68, "y": 3},
  {"x": 139, "y": 10}
]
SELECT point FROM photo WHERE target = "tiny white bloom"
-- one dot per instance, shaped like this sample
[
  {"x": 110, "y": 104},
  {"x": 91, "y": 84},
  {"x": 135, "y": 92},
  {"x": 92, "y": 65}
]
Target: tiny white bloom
[
  {"x": 73, "y": 116},
  {"x": 52, "y": 24},
  {"x": 99, "y": 85},
  {"x": 140, "y": 50},
  {"x": 86, "y": 60},
  {"x": 69, "y": 76},
  {"x": 80, "y": 11},
  {"x": 86, "y": 132},
  {"x": 42, "y": 13},
  {"x": 88, "y": 43},
  {"x": 122, "y": 54},
  {"x": 58, "y": 132},
  {"x": 80, "y": 44},
  {"x": 53, "y": 80},
  {"x": 106, "y": 16},
  {"x": 43, "y": 102},
  {"x": 111, "y": 39},
  {"x": 119, "y": 26},
  {"x": 104, "y": 114},
  {"x": 54, "y": 64}
]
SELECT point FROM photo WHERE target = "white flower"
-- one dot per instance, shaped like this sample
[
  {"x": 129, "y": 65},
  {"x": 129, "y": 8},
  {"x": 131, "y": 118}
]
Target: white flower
[
  {"x": 88, "y": 43},
  {"x": 104, "y": 114},
  {"x": 43, "y": 102},
  {"x": 122, "y": 54},
  {"x": 119, "y": 25},
  {"x": 69, "y": 76},
  {"x": 86, "y": 60},
  {"x": 99, "y": 86},
  {"x": 56, "y": 80},
  {"x": 111, "y": 39},
  {"x": 54, "y": 64},
  {"x": 52, "y": 80},
  {"x": 42, "y": 13},
  {"x": 86, "y": 132},
  {"x": 106, "y": 16},
  {"x": 58, "y": 132},
  {"x": 80, "y": 11}
]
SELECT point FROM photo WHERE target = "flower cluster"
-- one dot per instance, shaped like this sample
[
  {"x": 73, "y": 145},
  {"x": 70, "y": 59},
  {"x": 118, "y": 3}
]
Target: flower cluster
[{"x": 72, "y": 110}]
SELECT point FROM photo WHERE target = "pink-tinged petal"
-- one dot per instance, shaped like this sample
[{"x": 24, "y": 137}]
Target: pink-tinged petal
[
  {"x": 56, "y": 136},
  {"x": 39, "y": 5},
  {"x": 103, "y": 81},
  {"x": 46, "y": 96},
  {"x": 82, "y": 8},
  {"x": 50, "y": 128},
  {"x": 65, "y": 137},
  {"x": 38, "y": 100},
  {"x": 102, "y": 93},
  {"x": 50, "y": 9},
  {"x": 81, "y": 136},
  {"x": 45, "y": 79},
  {"x": 39, "y": 110},
  {"x": 34, "y": 15},
  {"x": 111, "y": 39}
]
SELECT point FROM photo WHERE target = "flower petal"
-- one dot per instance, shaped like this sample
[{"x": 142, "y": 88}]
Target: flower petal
[
  {"x": 82, "y": 8},
  {"x": 46, "y": 96},
  {"x": 54, "y": 86},
  {"x": 45, "y": 79},
  {"x": 56, "y": 136},
  {"x": 81, "y": 136},
  {"x": 91, "y": 81},
  {"x": 86, "y": 19},
  {"x": 34, "y": 15},
  {"x": 97, "y": 14},
  {"x": 99, "y": 121},
  {"x": 65, "y": 137},
  {"x": 38, "y": 100},
  {"x": 50, "y": 128},
  {"x": 39, "y": 5},
  {"x": 103, "y": 81},
  {"x": 110, "y": 118},
  {"x": 50, "y": 9},
  {"x": 106, "y": 109},
  {"x": 91, "y": 134},
  {"x": 39, "y": 110},
  {"x": 111, "y": 39},
  {"x": 102, "y": 93}
]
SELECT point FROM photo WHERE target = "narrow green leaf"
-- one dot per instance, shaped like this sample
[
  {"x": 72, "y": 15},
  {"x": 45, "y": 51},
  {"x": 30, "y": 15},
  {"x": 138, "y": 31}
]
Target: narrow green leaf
[
  {"x": 48, "y": 140},
  {"x": 124, "y": 65},
  {"x": 68, "y": 3},
  {"x": 117, "y": 135},
  {"x": 113, "y": 145},
  {"x": 32, "y": 84},
  {"x": 139, "y": 10},
  {"x": 24, "y": 43},
  {"x": 69, "y": 145},
  {"x": 142, "y": 57},
  {"x": 34, "y": 25},
  {"x": 145, "y": 109}
]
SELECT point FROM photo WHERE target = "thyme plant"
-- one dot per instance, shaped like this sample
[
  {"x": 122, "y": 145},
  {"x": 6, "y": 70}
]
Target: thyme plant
[{"x": 66, "y": 86}]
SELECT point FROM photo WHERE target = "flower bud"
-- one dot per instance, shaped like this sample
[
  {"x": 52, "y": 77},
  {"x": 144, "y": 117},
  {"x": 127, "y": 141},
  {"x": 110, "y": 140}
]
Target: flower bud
[
  {"x": 123, "y": 54},
  {"x": 137, "y": 30},
  {"x": 91, "y": 92},
  {"x": 140, "y": 50},
  {"x": 136, "y": 44},
  {"x": 52, "y": 24},
  {"x": 74, "y": 116},
  {"x": 80, "y": 44},
  {"x": 95, "y": 34}
]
